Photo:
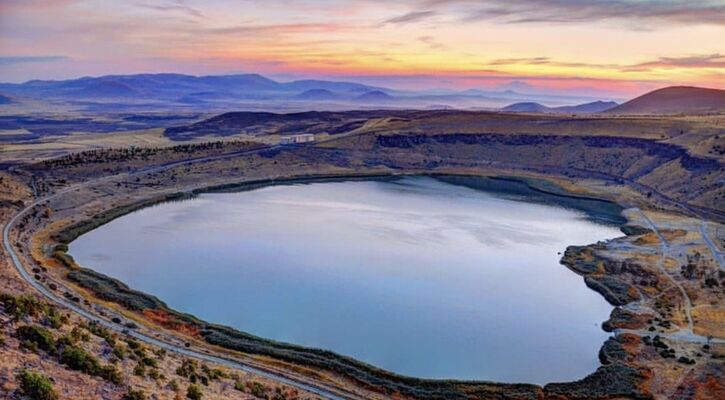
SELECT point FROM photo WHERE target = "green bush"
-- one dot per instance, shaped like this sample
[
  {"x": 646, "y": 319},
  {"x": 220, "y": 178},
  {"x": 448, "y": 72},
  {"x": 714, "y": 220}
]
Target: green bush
[
  {"x": 187, "y": 368},
  {"x": 257, "y": 389},
  {"x": 111, "y": 374},
  {"x": 97, "y": 330},
  {"x": 78, "y": 359},
  {"x": 149, "y": 362},
  {"x": 76, "y": 335},
  {"x": 36, "y": 386},
  {"x": 53, "y": 318},
  {"x": 36, "y": 337},
  {"x": 194, "y": 392},
  {"x": 21, "y": 306},
  {"x": 213, "y": 373}
]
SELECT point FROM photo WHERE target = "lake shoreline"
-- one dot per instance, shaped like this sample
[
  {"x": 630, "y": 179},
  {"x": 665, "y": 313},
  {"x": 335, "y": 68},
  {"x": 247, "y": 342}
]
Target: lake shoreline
[{"x": 234, "y": 339}]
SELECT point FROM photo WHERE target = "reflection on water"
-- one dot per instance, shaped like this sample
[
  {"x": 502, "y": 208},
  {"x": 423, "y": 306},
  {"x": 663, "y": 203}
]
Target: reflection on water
[{"x": 414, "y": 275}]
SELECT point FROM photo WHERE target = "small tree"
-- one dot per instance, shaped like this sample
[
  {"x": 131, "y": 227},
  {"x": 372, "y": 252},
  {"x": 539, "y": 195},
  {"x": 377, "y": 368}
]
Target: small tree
[{"x": 36, "y": 386}]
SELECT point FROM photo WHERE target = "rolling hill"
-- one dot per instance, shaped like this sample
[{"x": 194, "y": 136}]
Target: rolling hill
[
  {"x": 675, "y": 100},
  {"x": 531, "y": 107}
]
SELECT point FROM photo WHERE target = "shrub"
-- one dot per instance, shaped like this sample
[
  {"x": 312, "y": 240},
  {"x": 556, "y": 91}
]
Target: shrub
[
  {"x": 73, "y": 337},
  {"x": 36, "y": 386},
  {"x": 78, "y": 359},
  {"x": 21, "y": 306},
  {"x": 134, "y": 395},
  {"x": 139, "y": 370},
  {"x": 149, "y": 362},
  {"x": 119, "y": 352},
  {"x": 154, "y": 374},
  {"x": 133, "y": 344},
  {"x": 213, "y": 373},
  {"x": 257, "y": 389},
  {"x": 187, "y": 368},
  {"x": 53, "y": 318},
  {"x": 79, "y": 334},
  {"x": 35, "y": 337},
  {"x": 194, "y": 392},
  {"x": 101, "y": 332},
  {"x": 111, "y": 374},
  {"x": 160, "y": 353}
]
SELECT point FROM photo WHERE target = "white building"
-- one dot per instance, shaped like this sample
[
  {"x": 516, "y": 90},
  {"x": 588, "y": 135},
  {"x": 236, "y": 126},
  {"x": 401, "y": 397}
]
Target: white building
[{"x": 295, "y": 139}]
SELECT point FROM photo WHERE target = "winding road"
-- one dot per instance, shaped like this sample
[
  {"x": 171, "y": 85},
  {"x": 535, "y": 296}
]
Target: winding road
[{"x": 319, "y": 390}]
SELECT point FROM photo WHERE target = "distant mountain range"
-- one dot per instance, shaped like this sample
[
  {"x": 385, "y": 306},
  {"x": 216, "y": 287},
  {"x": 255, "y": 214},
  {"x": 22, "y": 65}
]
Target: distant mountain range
[
  {"x": 175, "y": 86},
  {"x": 252, "y": 92},
  {"x": 240, "y": 91},
  {"x": 675, "y": 100},
  {"x": 530, "y": 107}
]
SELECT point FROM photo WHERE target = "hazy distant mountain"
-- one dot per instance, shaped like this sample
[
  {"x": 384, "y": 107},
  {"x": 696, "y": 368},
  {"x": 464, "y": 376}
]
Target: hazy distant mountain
[
  {"x": 593, "y": 107},
  {"x": 531, "y": 107},
  {"x": 526, "y": 107},
  {"x": 170, "y": 87},
  {"x": 675, "y": 100},
  {"x": 332, "y": 86},
  {"x": 104, "y": 89},
  {"x": 205, "y": 97},
  {"x": 317, "y": 95},
  {"x": 375, "y": 96},
  {"x": 5, "y": 99},
  {"x": 254, "y": 92}
]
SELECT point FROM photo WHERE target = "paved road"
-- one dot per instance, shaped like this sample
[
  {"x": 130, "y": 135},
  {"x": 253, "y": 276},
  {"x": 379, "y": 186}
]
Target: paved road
[{"x": 320, "y": 390}]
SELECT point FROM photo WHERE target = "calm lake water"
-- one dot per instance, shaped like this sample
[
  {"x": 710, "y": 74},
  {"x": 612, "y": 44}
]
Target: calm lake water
[{"x": 415, "y": 275}]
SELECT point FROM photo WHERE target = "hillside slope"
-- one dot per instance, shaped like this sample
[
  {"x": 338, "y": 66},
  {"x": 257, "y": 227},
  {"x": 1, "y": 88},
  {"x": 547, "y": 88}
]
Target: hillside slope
[{"x": 675, "y": 100}]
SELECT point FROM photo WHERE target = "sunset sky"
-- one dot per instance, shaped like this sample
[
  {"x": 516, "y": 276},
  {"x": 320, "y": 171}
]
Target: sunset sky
[{"x": 620, "y": 47}]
